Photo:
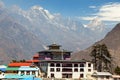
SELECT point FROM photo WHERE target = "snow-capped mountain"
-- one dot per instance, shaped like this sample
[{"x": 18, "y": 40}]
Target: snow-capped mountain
[
  {"x": 37, "y": 27},
  {"x": 96, "y": 25}
]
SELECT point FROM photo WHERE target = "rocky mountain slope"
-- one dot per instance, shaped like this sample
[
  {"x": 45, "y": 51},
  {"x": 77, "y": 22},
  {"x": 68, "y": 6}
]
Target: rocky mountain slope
[
  {"x": 55, "y": 28},
  {"x": 15, "y": 41},
  {"x": 112, "y": 40}
]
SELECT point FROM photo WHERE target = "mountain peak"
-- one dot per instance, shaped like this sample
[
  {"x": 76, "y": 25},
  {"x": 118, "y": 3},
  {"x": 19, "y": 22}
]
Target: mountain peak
[
  {"x": 96, "y": 24},
  {"x": 37, "y": 27},
  {"x": 36, "y": 8},
  {"x": 45, "y": 12}
]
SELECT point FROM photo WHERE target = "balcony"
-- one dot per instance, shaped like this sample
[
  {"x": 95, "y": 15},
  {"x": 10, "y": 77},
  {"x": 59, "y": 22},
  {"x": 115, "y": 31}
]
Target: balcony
[{"x": 67, "y": 70}]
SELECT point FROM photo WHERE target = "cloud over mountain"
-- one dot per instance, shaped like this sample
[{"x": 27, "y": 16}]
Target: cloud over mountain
[{"x": 107, "y": 12}]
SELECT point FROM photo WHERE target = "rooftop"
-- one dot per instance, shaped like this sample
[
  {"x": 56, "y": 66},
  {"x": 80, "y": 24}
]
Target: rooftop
[
  {"x": 54, "y": 45},
  {"x": 56, "y": 50},
  {"x": 26, "y": 68},
  {"x": 65, "y": 61},
  {"x": 116, "y": 76},
  {"x": 18, "y": 64},
  {"x": 102, "y": 74},
  {"x": 12, "y": 68}
]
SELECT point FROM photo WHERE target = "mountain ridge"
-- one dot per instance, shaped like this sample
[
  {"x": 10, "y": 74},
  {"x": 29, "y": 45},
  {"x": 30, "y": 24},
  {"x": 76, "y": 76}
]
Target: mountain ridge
[
  {"x": 22, "y": 33},
  {"x": 111, "y": 40}
]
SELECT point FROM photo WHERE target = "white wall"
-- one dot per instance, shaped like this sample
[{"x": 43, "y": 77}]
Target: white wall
[
  {"x": 2, "y": 75},
  {"x": 36, "y": 73},
  {"x": 75, "y": 75}
]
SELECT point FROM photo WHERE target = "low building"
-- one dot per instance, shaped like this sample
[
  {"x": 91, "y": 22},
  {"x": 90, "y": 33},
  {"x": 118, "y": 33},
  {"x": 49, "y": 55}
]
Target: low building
[
  {"x": 116, "y": 77},
  {"x": 19, "y": 70},
  {"x": 2, "y": 70},
  {"x": 102, "y": 75},
  {"x": 27, "y": 70},
  {"x": 23, "y": 68}
]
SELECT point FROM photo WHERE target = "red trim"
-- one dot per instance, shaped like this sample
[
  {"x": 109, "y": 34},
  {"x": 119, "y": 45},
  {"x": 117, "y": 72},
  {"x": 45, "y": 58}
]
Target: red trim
[{"x": 18, "y": 64}]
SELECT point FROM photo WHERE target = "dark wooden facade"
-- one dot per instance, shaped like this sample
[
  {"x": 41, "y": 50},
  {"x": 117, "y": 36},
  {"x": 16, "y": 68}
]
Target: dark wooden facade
[{"x": 54, "y": 53}]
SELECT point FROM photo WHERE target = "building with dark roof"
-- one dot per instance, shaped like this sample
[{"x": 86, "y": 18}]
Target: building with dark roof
[
  {"x": 56, "y": 62},
  {"x": 54, "y": 52}
]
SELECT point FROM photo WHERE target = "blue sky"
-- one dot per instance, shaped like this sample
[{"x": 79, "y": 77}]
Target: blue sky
[
  {"x": 84, "y": 9},
  {"x": 65, "y": 7}
]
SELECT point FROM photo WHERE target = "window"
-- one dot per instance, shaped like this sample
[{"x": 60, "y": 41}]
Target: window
[
  {"x": 89, "y": 70},
  {"x": 81, "y": 70},
  {"x": 81, "y": 75},
  {"x": 107, "y": 77},
  {"x": 58, "y": 69},
  {"x": 81, "y": 65},
  {"x": 52, "y": 69},
  {"x": 75, "y": 70},
  {"x": 15, "y": 71},
  {"x": 66, "y": 75},
  {"x": 28, "y": 72},
  {"x": 22, "y": 72},
  {"x": 89, "y": 65},
  {"x": 58, "y": 65},
  {"x": 67, "y": 70},
  {"x": 52, "y": 65},
  {"x": 102, "y": 77},
  {"x": 115, "y": 78},
  {"x": 75, "y": 65},
  {"x": 52, "y": 75},
  {"x": 33, "y": 72}
]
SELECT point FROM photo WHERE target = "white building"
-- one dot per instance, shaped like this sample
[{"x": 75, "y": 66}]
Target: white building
[
  {"x": 67, "y": 68},
  {"x": 2, "y": 70},
  {"x": 56, "y": 63}
]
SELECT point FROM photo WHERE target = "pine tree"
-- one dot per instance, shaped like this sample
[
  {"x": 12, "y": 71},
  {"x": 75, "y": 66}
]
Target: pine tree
[
  {"x": 117, "y": 70},
  {"x": 101, "y": 58}
]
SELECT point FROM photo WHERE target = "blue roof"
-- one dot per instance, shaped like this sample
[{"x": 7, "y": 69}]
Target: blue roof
[
  {"x": 3, "y": 69},
  {"x": 16, "y": 76}
]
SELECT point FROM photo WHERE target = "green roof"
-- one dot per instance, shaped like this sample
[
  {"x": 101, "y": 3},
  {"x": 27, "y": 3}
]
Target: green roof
[{"x": 12, "y": 68}]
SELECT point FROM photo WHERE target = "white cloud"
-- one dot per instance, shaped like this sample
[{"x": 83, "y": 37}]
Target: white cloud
[
  {"x": 88, "y": 18},
  {"x": 108, "y": 12},
  {"x": 92, "y": 7}
]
